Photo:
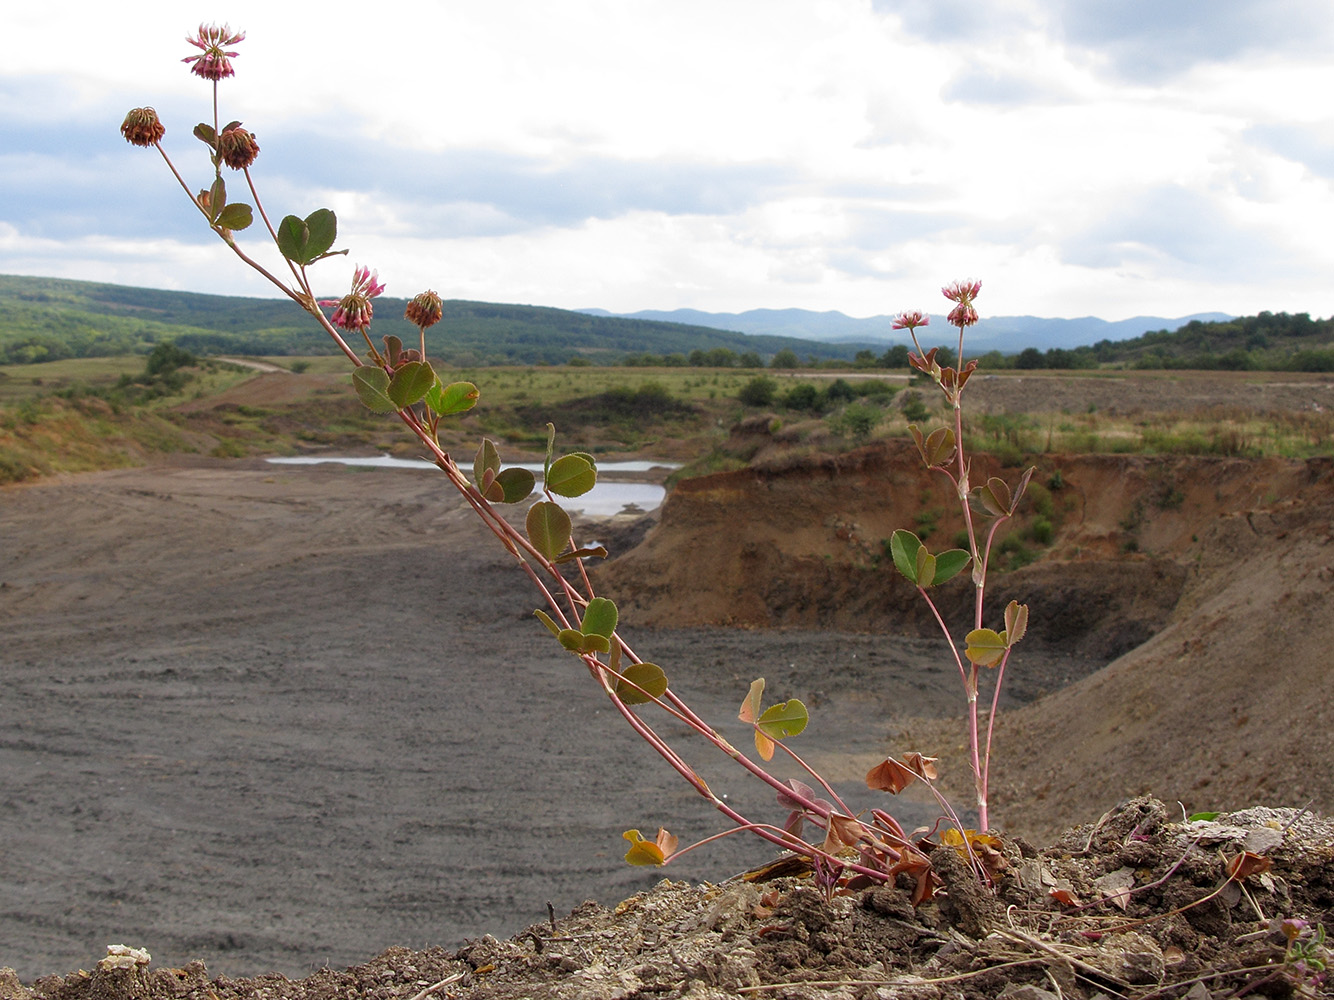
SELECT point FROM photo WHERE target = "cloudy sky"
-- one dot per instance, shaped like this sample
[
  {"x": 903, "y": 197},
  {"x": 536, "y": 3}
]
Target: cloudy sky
[{"x": 1082, "y": 157}]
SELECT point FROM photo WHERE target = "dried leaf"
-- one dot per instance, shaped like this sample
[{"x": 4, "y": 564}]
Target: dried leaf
[
  {"x": 894, "y": 776},
  {"x": 750, "y": 706},
  {"x": 846, "y": 830},
  {"x": 1016, "y": 622},
  {"x": 921, "y": 765},
  {"x": 1115, "y": 886},
  {"x": 1247, "y": 864}
]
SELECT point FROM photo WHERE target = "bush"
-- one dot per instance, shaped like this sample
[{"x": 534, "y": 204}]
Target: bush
[
  {"x": 914, "y": 410},
  {"x": 166, "y": 358},
  {"x": 759, "y": 391},
  {"x": 857, "y": 421},
  {"x": 802, "y": 397},
  {"x": 840, "y": 390}
]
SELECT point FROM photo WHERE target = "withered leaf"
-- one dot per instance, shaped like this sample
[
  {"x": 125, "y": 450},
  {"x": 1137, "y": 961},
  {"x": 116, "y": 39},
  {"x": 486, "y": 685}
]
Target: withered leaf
[
  {"x": 1247, "y": 864},
  {"x": 894, "y": 776}
]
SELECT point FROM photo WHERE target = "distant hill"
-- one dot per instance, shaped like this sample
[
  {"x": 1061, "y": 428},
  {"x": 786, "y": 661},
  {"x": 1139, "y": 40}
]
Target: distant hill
[
  {"x": 50, "y": 318},
  {"x": 1003, "y": 333}
]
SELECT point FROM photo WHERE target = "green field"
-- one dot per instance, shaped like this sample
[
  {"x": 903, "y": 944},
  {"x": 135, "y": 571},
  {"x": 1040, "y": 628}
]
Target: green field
[{"x": 88, "y": 413}]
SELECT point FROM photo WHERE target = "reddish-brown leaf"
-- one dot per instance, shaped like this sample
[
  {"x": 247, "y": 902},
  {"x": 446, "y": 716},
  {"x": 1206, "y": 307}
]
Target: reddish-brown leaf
[
  {"x": 1247, "y": 864},
  {"x": 894, "y": 776}
]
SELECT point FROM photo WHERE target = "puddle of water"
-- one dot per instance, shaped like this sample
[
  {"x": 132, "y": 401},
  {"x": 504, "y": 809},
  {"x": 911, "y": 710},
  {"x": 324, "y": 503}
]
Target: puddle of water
[{"x": 603, "y": 500}]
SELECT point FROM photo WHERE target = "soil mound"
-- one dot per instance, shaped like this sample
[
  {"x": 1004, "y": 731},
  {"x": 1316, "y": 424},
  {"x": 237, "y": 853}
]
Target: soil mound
[{"x": 1132, "y": 906}]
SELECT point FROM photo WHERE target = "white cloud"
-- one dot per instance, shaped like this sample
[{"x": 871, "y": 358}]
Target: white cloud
[{"x": 842, "y": 154}]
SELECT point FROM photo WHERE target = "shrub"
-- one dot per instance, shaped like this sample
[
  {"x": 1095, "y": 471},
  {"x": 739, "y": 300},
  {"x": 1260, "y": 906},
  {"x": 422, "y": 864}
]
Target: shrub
[{"x": 759, "y": 391}]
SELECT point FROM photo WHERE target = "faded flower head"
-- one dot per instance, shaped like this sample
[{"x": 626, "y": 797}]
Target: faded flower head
[
  {"x": 962, "y": 292},
  {"x": 911, "y": 320},
  {"x": 214, "y": 63},
  {"x": 142, "y": 128},
  {"x": 354, "y": 310},
  {"x": 424, "y": 310},
  {"x": 237, "y": 147}
]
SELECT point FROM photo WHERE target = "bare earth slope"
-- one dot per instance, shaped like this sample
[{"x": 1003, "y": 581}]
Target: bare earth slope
[{"x": 1229, "y": 576}]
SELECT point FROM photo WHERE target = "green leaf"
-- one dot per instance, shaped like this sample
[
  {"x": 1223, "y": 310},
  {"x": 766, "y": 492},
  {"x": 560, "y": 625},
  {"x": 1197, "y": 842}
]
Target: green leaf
[
  {"x": 372, "y": 385},
  {"x": 235, "y": 217},
  {"x": 548, "y": 528},
  {"x": 599, "y": 617},
  {"x": 948, "y": 564},
  {"x": 1203, "y": 817},
  {"x": 648, "y": 676},
  {"x": 903, "y": 546},
  {"x": 303, "y": 241},
  {"x": 572, "y": 639},
  {"x": 486, "y": 460},
  {"x": 453, "y": 398},
  {"x": 985, "y": 647},
  {"x": 411, "y": 382},
  {"x": 515, "y": 484},
  {"x": 580, "y": 642},
  {"x": 787, "y": 719},
  {"x": 571, "y": 476},
  {"x": 206, "y": 135},
  {"x": 293, "y": 235},
  {"x": 547, "y": 620},
  {"x": 322, "y": 230},
  {"x": 551, "y": 449}
]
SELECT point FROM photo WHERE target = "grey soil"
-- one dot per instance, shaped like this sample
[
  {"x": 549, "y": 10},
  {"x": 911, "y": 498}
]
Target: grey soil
[{"x": 280, "y": 720}]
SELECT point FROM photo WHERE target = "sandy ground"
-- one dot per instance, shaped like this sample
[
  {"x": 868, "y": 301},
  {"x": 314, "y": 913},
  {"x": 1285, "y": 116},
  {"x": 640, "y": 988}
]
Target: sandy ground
[{"x": 282, "y": 719}]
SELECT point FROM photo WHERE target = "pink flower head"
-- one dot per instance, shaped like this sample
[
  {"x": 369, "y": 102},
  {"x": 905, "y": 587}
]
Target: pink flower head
[
  {"x": 214, "y": 63},
  {"x": 354, "y": 310},
  {"x": 962, "y": 292},
  {"x": 910, "y": 321},
  {"x": 962, "y": 315}
]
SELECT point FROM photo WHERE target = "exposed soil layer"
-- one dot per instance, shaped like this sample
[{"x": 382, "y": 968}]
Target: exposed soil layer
[{"x": 1208, "y": 581}]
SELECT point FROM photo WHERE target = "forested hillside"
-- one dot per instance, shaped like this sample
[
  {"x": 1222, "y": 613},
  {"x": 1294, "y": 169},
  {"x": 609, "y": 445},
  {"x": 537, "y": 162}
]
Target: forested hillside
[
  {"x": 47, "y": 319},
  {"x": 1265, "y": 342}
]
